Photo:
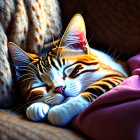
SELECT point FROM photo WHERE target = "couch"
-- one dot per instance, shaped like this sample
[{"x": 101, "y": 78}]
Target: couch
[{"x": 112, "y": 26}]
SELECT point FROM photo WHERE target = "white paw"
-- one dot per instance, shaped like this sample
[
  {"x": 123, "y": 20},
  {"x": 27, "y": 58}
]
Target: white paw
[
  {"x": 37, "y": 111},
  {"x": 59, "y": 115}
]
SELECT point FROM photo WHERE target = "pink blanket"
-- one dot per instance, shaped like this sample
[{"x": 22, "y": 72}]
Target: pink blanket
[{"x": 116, "y": 114}]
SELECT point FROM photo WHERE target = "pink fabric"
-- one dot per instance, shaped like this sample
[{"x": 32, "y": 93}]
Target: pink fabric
[{"x": 116, "y": 114}]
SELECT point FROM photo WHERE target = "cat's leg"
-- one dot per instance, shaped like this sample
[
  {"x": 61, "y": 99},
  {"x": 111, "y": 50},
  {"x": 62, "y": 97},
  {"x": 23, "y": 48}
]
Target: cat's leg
[
  {"x": 37, "y": 111},
  {"x": 61, "y": 115},
  {"x": 64, "y": 113}
]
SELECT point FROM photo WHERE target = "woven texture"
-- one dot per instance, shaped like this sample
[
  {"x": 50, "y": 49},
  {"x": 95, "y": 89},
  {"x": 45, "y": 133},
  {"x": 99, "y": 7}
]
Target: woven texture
[
  {"x": 29, "y": 24},
  {"x": 16, "y": 127}
]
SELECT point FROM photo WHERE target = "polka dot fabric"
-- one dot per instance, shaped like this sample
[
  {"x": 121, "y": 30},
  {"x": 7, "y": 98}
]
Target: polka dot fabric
[{"x": 29, "y": 24}]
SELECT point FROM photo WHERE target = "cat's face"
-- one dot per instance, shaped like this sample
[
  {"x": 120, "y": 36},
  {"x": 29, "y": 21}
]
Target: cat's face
[
  {"x": 66, "y": 76},
  {"x": 65, "y": 71}
]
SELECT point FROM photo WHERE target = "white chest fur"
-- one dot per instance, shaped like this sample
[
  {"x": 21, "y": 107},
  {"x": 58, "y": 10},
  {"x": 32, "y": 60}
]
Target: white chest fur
[{"x": 106, "y": 59}]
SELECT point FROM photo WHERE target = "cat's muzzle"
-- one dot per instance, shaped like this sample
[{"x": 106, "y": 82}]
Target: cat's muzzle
[{"x": 60, "y": 90}]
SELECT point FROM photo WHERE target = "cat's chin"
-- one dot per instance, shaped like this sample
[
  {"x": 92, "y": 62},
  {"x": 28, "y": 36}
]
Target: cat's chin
[
  {"x": 67, "y": 99},
  {"x": 54, "y": 100}
]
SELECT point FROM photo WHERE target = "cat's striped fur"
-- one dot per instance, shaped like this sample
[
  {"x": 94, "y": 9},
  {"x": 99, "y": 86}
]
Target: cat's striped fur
[{"x": 63, "y": 80}]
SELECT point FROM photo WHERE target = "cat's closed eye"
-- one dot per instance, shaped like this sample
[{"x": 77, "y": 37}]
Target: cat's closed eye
[
  {"x": 71, "y": 74},
  {"x": 75, "y": 71}
]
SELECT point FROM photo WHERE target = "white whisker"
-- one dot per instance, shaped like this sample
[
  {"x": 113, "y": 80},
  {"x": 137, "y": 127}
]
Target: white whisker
[
  {"x": 19, "y": 108},
  {"x": 29, "y": 78},
  {"x": 24, "y": 75},
  {"x": 28, "y": 68},
  {"x": 49, "y": 100}
]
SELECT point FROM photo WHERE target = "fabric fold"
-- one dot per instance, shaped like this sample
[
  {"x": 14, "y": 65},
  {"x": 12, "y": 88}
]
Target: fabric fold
[{"x": 115, "y": 114}]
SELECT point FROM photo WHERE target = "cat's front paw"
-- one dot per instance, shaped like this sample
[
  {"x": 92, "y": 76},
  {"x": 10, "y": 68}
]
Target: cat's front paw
[
  {"x": 37, "y": 111},
  {"x": 59, "y": 115}
]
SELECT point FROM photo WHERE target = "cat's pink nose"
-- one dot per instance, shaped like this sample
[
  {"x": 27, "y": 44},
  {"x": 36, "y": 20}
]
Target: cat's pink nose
[{"x": 59, "y": 89}]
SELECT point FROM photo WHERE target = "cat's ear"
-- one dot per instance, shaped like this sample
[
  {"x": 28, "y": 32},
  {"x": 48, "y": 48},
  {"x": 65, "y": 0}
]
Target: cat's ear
[
  {"x": 20, "y": 57},
  {"x": 75, "y": 35}
]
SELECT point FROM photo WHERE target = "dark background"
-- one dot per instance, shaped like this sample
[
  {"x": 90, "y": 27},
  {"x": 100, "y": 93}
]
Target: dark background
[{"x": 112, "y": 25}]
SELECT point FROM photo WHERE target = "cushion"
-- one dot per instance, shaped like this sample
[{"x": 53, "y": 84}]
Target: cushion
[{"x": 115, "y": 114}]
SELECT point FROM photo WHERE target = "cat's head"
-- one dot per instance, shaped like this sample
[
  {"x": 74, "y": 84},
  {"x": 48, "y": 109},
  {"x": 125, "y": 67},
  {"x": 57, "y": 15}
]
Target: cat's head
[{"x": 64, "y": 71}]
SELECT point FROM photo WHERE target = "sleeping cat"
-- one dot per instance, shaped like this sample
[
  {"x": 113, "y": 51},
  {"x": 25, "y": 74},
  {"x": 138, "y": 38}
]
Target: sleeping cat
[{"x": 66, "y": 78}]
